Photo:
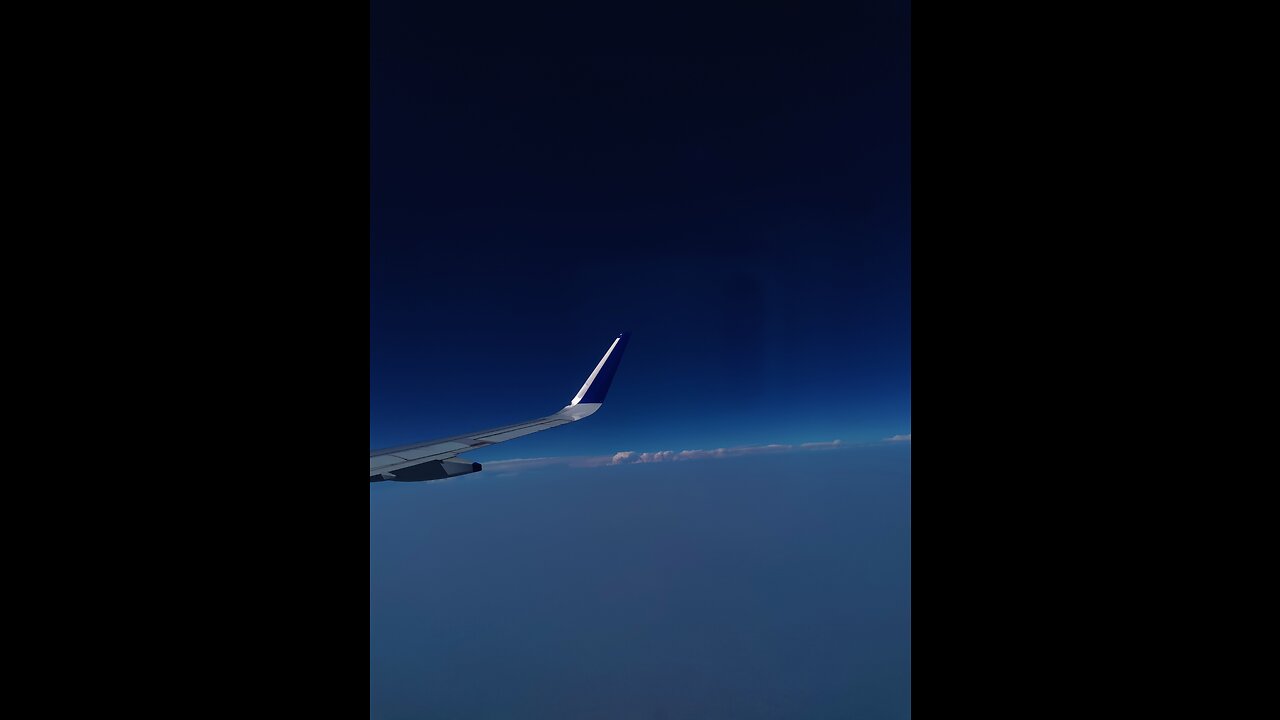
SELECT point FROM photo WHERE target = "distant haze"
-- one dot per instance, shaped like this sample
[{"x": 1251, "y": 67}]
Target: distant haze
[{"x": 749, "y": 587}]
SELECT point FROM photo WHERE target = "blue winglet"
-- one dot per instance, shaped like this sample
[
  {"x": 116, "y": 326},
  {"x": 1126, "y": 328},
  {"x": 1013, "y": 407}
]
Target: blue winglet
[{"x": 597, "y": 385}]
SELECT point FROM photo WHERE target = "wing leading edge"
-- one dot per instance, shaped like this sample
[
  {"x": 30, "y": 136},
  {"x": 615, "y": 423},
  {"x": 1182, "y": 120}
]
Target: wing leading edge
[{"x": 433, "y": 459}]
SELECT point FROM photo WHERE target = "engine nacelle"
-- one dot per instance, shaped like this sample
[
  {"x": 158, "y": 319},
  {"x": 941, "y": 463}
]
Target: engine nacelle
[{"x": 434, "y": 470}]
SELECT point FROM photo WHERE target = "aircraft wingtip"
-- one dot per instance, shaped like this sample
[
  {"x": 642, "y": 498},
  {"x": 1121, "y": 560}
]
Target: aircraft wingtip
[{"x": 597, "y": 385}]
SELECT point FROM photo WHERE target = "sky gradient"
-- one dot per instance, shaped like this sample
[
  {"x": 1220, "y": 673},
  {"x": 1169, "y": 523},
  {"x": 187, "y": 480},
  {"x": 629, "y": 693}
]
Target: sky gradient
[
  {"x": 729, "y": 536},
  {"x": 739, "y": 200}
]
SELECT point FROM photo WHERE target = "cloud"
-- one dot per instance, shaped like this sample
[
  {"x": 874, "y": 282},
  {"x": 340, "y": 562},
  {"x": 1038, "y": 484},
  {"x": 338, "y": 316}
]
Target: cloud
[
  {"x": 632, "y": 457},
  {"x": 899, "y": 438}
]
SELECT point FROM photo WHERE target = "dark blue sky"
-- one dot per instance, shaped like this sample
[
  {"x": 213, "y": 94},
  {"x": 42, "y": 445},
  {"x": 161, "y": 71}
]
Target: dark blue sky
[{"x": 733, "y": 190}]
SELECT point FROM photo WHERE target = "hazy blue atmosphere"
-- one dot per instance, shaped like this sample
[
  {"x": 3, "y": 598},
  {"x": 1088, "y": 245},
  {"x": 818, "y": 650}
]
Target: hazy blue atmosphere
[
  {"x": 755, "y": 587},
  {"x": 728, "y": 536}
]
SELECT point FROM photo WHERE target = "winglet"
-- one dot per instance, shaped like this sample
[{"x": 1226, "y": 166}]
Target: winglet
[{"x": 597, "y": 386}]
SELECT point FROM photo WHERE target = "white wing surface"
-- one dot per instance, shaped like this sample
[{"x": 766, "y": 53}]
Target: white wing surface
[{"x": 437, "y": 459}]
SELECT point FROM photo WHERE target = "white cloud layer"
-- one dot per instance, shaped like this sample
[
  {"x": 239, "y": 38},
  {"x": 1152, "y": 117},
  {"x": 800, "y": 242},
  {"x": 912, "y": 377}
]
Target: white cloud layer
[
  {"x": 632, "y": 457},
  {"x": 899, "y": 438}
]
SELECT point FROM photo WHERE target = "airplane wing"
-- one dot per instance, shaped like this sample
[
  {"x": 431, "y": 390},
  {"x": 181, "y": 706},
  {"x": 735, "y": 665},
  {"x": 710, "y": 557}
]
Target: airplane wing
[{"x": 435, "y": 459}]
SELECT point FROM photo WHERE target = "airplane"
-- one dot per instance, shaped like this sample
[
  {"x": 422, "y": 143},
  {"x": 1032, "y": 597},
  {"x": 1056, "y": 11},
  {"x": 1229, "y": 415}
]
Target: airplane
[{"x": 437, "y": 459}]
